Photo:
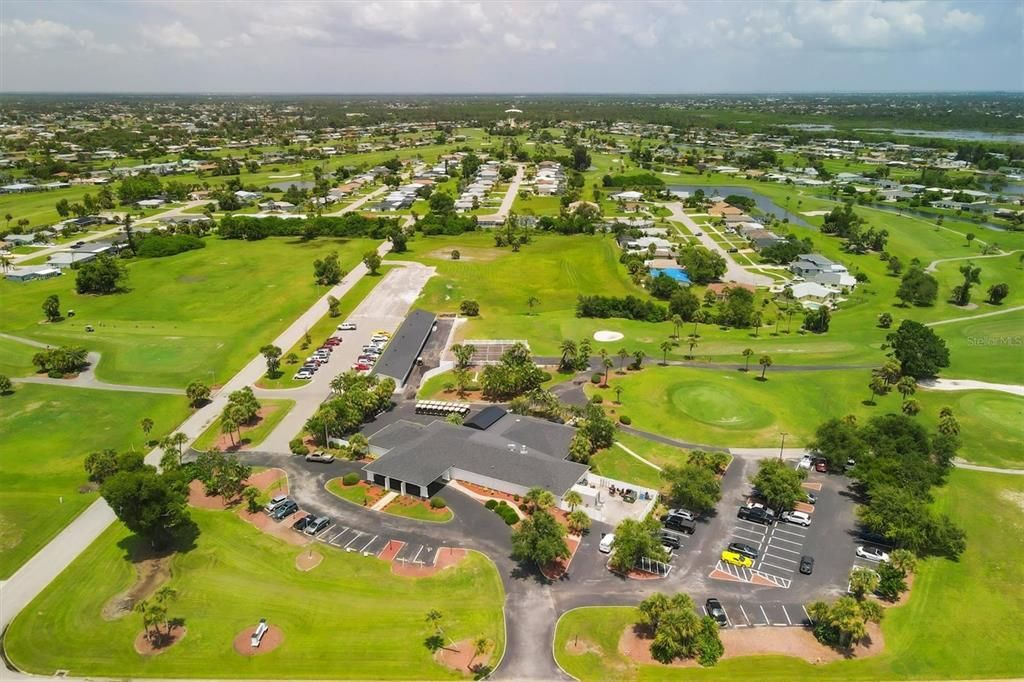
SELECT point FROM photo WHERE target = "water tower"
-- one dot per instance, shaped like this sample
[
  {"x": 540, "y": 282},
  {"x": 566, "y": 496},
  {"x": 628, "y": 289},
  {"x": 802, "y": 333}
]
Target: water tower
[{"x": 511, "y": 113}]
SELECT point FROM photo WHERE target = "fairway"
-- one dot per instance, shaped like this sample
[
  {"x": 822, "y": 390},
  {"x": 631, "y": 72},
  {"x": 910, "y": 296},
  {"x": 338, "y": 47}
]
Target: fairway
[
  {"x": 349, "y": 618},
  {"x": 198, "y": 315},
  {"x": 46, "y": 433},
  {"x": 918, "y": 636}
]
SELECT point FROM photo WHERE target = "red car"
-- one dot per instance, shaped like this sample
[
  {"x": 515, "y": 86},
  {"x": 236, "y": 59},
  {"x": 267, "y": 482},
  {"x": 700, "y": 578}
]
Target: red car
[
  {"x": 332, "y": 341},
  {"x": 821, "y": 466},
  {"x": 360, "y": 366}
]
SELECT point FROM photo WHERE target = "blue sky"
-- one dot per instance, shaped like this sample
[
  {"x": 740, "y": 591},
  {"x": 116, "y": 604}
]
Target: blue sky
[{"x": 491, "y": 46}]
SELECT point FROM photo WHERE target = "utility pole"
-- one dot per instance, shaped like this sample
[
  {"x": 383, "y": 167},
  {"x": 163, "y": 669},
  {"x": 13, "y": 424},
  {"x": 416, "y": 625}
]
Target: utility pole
[{"x": 783, "y": 445}]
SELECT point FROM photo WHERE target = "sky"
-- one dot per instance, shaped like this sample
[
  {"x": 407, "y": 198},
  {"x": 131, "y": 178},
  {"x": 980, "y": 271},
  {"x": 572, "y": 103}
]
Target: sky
[{"x": 490, "y": 46}]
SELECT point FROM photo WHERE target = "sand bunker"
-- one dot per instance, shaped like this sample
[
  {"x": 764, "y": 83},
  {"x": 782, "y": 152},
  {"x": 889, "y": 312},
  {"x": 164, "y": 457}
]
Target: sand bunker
[{"x": 607, "y": 336}]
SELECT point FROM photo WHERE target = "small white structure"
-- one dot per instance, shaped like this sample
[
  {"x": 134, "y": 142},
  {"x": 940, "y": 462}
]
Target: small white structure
[{"x": 257, "y": 636}]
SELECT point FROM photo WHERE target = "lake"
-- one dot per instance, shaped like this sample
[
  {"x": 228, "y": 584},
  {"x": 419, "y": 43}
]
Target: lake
[{"x": 763, "y": 203}]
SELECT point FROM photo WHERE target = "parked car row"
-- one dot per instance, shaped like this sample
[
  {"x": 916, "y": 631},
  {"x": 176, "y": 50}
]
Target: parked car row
[
  {"x": 319, "y": 358},
  {"x": 281, "y": 507},
  {"x": 371, "y": 352}
]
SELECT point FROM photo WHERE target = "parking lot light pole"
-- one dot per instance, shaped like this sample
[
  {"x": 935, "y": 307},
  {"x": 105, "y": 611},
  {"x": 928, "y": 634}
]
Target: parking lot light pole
[{"x": 782, "y": 445}]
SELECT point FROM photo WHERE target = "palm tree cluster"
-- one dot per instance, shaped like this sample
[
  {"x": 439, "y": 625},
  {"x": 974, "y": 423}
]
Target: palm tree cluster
[{"x": 61, "y": 360}]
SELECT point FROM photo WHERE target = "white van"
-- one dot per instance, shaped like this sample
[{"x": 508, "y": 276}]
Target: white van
[{"x": 606, "y": 543}]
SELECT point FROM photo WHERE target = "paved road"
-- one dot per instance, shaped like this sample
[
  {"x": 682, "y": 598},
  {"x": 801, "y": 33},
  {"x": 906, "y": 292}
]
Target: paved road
[
  {"x": 967, "y": 318},
  {"x": 509, "y": 198},
  {"x": 961, "y": 464},
  {"x": 734, "y": 272},
  {"x": 935, "y": 263}
]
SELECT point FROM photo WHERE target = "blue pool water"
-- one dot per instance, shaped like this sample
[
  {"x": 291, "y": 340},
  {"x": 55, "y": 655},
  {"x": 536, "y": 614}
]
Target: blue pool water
[{"x": 678, "y": 274}]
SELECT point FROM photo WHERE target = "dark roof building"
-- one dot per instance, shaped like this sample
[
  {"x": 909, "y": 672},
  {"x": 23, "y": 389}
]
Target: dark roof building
[
  {"x": 512, "y": 454},
  {"x": 405, "y": 346},
  {"x": 485, "y": 418}
]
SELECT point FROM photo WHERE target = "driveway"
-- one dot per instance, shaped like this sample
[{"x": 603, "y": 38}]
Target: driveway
[{"x": 509, "y": 198}]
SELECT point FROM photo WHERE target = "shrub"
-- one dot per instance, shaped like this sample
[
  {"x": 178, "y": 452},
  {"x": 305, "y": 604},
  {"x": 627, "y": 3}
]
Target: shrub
[
  {"x": 351, "y": 478},
  {"x": 491, "y": 504},
  {"x": 514, "y": 497},
  {"x": 297, "y": 446},
  {"x": 596, "y": 378},
  {"x": 55, "y": 374},
  {"x": 624, "y": 419},
  {"x": 507, "y": 513},
  {"x": 597, "y": 399},
  {"x": 438, "y": 503},
  {"x": 160, "y": 246},
  {"x": 545, "y": 376}
]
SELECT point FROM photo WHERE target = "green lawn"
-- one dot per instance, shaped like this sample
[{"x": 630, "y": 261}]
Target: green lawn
[
  {"x": 356, "y": 494},
  {"x": 46, "y": 433},
  {"x": 16, "y": 358},
  {"x": 253, "y": 436},
  {"x": 197, "y": 315},
  {"x": 615, "y": 462},
  {"x": 323, "y": 328},
  {"x": 945, "y": 631},
  {"x": 728, "y": 408},
  {"x": 349, "y": 618},
  {"x": 419, "y": 512}
]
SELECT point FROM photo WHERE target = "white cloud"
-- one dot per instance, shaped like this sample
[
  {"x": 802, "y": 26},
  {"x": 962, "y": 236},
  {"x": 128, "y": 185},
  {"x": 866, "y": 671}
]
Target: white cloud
[
  {"x": 43, "y": 34},
  {"x": 174, "y": 36},
  {"x": 965, "y": 21}
]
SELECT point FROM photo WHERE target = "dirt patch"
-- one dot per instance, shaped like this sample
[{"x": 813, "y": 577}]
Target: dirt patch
[
  {"x": 267, "y": 478},
  {"x": 150, "y": 574},
  {"x": 307, "y": 561},
  {"x": 1013, "y": 497},
  {"x": 149, "y": 643},
  {"x": 447, "y": 557},
  {"x": 578, "y": 647},
  {"x": 461, "y": 656},
  {"x": 280, "y": 529},
  {"x": 198, "y": 498},
  {"x": 271, "y": 640},
  {"x": 10, "y": 534}
]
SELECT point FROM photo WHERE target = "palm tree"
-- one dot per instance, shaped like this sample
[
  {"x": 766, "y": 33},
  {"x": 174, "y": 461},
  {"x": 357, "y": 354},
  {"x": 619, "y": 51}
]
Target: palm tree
[
  {"x": 910, "y": 407},
  {"x": 228, "y": 426},
  {"x": 531, "y": 302},
  {"x": 948, "y": 424},
  {"x": 906, "y": 386},
  {"x": 665, "y": 348},
  {"x": 539, "y": 498},
  {"x": 568, "y": 354},
  {"x": 608, "y": 364},
  {"x": 578, "y": 521},
  {"x": 480, "y": 645},
  {"x": 358, "y": 445},
  {"x": 677, "y": 322},
  {"x": 463, "y": 354},
  {"x": 878, "y": 387},
  {"x": 623, "y": 356},
  {"x": 693, "y": 344},
  {"x": 747, "y": 352},
  {"x": 618, "y": 395},
  {"x": 573, "y": 499},
  {"x": 757, "y": 322},
  {"x": 638, "y": 359},
  {"x": 889, "y": 372},
  {"x": 765, "y": 362},
  {"x": 147, "y": 426}
]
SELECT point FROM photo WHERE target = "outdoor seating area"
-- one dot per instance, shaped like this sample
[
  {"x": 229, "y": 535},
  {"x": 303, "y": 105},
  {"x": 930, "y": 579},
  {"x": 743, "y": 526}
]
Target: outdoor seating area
[{"x": 441, "y": 408}]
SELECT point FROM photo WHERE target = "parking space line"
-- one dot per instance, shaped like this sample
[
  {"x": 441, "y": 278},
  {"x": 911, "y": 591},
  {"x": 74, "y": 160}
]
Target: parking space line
[
  {"x": 766, "y": 621},
  {"x": 323, "y": 532},
  {"x": 792, "y": 542},
  {"x": 368, "y": 543},
  {"x": 787, "y": 570},
  {"x": 807, "y": 615},
  {"x": 354, "y": 538},
  {"x": 745, "y": 616},
  {"x": 786, "y": 613},
  {"x": 415, "y": 559},
  {"x": 776, "y": 548},
  {"x": 789, "y": 532},
  {"x": 776, "y": 557}
]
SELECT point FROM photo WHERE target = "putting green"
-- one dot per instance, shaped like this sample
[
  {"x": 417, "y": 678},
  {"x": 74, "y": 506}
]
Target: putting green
[{"x": 717, "y": 405}]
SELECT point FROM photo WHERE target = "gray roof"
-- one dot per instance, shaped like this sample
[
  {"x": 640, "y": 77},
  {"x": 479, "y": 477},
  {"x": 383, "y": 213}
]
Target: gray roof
[
  {"x": 422, "y": 454},
  {"x": 405, "y": 346}
]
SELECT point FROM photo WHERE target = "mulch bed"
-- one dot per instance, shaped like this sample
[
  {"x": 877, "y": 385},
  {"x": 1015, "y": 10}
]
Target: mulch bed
[
  {"x": 270, "y": 641},
  {"x": 391, "y": 550},
  {"x": 282, "y": 530},
  {"x": 559, "y": 568},
  {"x": 459, "y": 656},
  {"x": 229, "y": 443},
  {"x": 446, "y": 558},
  {"x": 198, "y": 498},
  {"x": 145, "y": 645},
  {"x": 307, "y": 561}
]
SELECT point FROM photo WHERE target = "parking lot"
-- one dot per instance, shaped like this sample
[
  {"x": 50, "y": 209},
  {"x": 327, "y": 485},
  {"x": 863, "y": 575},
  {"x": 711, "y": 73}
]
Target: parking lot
[{"x": 743, "y": 614}]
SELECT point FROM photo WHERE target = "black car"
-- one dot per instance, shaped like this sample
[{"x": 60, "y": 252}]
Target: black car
[
  {"x": 670, "y": 540},
  {"x": 285, "y": 510},
  {"x": 742, "y": 548},
  {"x": 301, "y": 524},
  {"x": 806, "y": 564},
  {"x": 756, "y": 515},
  {"x": 715, "y": 610},
  {"x": 678, "y": 523}
]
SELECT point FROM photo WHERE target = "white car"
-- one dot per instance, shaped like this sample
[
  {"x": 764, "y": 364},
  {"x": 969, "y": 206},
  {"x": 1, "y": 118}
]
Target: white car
[
  {"x": 872, "y": 553},
  {"x": 805, "y": 462},
  {"x": 798, "y": 517},
  {"x": 606, "y": 543},
  {"x": 303, "y": 375},
  {"x": 347, "y": 326}
]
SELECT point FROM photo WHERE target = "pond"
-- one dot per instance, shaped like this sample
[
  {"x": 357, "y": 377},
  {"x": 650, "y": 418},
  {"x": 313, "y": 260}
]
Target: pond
[
  {"x": 763, "y": 203},
  {"x": 299, "y": 184}
]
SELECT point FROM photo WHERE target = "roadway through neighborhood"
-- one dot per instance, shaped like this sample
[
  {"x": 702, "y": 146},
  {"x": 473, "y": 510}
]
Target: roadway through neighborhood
[{"x": 734, "y": 272}]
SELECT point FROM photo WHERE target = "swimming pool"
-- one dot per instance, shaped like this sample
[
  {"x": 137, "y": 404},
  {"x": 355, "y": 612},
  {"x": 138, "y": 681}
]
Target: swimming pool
[{"x": 678, "y": 274}]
